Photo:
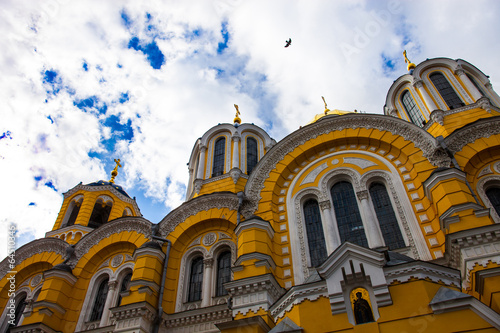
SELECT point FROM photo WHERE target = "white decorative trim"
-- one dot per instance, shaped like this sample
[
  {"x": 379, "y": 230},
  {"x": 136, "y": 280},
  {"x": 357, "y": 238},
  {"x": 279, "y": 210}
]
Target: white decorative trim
[
  {"x": 360, "y": 162},
  {"x": 297, "y": 295},
  {"x": 422, "y": 270},
  {"x": 481, "y": 187},
  {"x": 485, "y": 171},
  {"x": 198, "y": 320},
  {"x": 311, "y": 177}
]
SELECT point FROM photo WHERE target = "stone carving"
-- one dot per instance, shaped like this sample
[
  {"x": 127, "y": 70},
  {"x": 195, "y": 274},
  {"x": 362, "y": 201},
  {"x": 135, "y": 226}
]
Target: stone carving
[
  {"x": 438, "y": 116},
  {"x": 483, "y": 128},
  {"x": 361, "y": 162},
  {"x": 117, "y": 260},
  {"x": 136, "y": 224},
  {"x": 209, "y": 239},
  {"x": 54, "y": 245},
  {"x": 197, "y": 241},
  {"x": 313, "y": 174},
  {"x": 352, "y": 175},
  {"x": 223, "y": 235},
  {"x": 35, "y": 281},
  {"x": 128, "y": 257},
  {"x": 180, "y": 214},
  {"x": 482, "y": 194},
  {"x": 486, "y": 171},
  {"x": 104, "y": 264},
  {"x": 420, "y": 138}
]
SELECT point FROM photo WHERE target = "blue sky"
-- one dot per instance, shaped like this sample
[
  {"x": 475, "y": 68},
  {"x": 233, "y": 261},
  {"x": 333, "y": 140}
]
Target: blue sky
[{"x": 85, "y": 83}]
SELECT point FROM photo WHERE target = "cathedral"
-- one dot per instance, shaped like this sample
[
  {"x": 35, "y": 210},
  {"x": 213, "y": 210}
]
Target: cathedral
[{"x": 355, "y": 222}]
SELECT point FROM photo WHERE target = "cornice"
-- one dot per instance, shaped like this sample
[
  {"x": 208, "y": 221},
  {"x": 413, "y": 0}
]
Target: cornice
[
  {"x": 297, "y": 295},
  {"x": 54, "y": 245},
  {"x": 196, "y": 205},
  {"x": 215, "y": 314},
  {"x": 482, "y": 128},
  {"x": 422, "y": 271}
]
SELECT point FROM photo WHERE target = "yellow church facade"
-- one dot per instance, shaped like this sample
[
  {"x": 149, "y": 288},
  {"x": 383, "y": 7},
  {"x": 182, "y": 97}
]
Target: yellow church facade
[{"x": 353, "y": 223}]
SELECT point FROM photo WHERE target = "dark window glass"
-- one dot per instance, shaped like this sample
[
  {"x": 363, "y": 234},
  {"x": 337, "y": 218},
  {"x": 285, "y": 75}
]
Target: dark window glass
[
  {"x": 494, "y": 195},
  {"x": 446, "y": 91},
  {"x": 195, "y": 280},
  {"x": 251, "y": 154},
  {"x": 223, "y": 272},
  {"x": 220, "y": 146},
  {"x": 386, "y": 217},
  {"x": 315, "y": 235},
  {"x": 347, "y": 214},
  {"x": 412, "y": 109},
  {"x": 74, "y": 214},
  {"x": 124, "y": 287},
  {"x": 100, "y": 214},
  {"x": 99, "y": 301},
  {"x": 18, "y": 312}
]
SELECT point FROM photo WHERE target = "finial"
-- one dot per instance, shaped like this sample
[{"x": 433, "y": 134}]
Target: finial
[
  {"x": 326, "y": 108},
  {"x": 114, "y": 173},
  {"x": 237, "y": 119},
  {"x": 410, "y": 64}
]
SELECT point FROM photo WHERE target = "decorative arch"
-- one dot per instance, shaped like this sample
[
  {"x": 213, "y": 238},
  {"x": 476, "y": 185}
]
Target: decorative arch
[
  {"x": 482, "y": 128},
  {"x": 420, "y": 138},
  {"x": 72, "y": 211},
  {"x": 482, "y": 186},
  {"x": 101, "y": 211},
  {"x": 184, "y": 273}
]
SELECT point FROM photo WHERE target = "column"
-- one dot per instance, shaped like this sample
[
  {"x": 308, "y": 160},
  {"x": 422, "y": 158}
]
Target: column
[
  {"x": 329, "y": 227},
  {"x": 109, "y": 299},
  {"x": 206, "y": 293},
  {"x": 476, "y": 94},
  {"x": 427, "y": 99},
  {"x": 201, "y": 163},
  {"x": 370, "y": 222},
  {"x": 493, "y": 93},
  {"x": 236, "y": 155}
]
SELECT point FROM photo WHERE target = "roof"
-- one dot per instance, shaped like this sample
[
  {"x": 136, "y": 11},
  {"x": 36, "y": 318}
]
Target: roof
[{"x": 116, "y": 187}]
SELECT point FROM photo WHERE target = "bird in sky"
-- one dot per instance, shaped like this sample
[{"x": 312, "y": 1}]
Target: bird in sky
[{"x": 288, "y": 42}]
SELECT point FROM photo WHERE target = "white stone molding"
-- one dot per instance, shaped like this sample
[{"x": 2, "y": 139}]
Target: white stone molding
[
  {"x": 469, "y": 248},
  {"x": 99, "y": 188},
  {"x": 311, "y": 176},
  {"x": 197, "y": 241},
  {"x": 117, "y": 260},
  {"x": 483, "y": 128},
  {"x": 49, "y": 245},
  {"x": 194, "y": 206},
  {"x": 135, "y": 317},
  {"x": 123, "y": 224},
  {"x": 440, "y": 176},
  {"x": 185, "y": 273},
  {"x": 198, "y": 320},
  {"x": 99, "y": 276},
  {"x": 449, "y": 300},
  {"x": 105, "y": 263},
  {"x": 254, "y": 293},
  {"x": 481, "y": 187},
  {"x": 352, "y": 266},
  {"x": 485, "y": 171},
  {"x": 360, "y": 162},
  {"x": 19, "y": 294},
  {"x": 298, "y": 294},
  {"x": 255, "y": 223},
  {"x": 422, "y": 270}
]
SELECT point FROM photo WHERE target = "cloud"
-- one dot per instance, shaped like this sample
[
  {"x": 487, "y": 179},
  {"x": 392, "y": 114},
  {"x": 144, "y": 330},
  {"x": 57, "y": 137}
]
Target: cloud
[{"x": 84, "y": 83}]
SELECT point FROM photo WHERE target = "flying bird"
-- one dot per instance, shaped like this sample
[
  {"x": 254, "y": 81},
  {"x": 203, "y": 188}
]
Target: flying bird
[{"x": 288, "y": 42}]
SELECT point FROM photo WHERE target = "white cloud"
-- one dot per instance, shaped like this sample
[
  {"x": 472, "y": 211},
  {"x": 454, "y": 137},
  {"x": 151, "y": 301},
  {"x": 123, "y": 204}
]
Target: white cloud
[{"x": 337, "y": 51}]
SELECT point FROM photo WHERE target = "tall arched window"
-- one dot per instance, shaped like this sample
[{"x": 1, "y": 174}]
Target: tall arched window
[
  {"x": 100, "y": 213},
  {"x": 195, "y": 280},
  {"x": 18, "y": 312},
  {"x": 252, "y": 154},
  {"x": 99, "y": 300},
  {"x": 223, "y": 272},
  {"x": 493, "y": 194},
  {"x": 315, "y": 235},
  {"x": 124, "y": 287},
  {"x": 219, "y": 152},
  {"x": 75, "y": 209},
  {"x": 347, "y": 213},
  {"x": 446, "y": 90},
  {"x": 411, "y": 109},
  {"x": 386, "y": 217}
]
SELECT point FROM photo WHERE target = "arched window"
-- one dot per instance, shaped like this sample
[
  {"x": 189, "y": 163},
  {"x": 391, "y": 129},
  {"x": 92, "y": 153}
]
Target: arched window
[
  {"x": 18, "y": 312},
  {"x": 99, "y": 300},
  {"x": 411, "y": 109},
  {"x": 315, "y": 235},
  {"x": 100, "y": 213},
  {"x": 347, "y": 213},
  {"x": 74, "y": 213},
  {"x": 223, "y": 272},
  {"x": 195, "y": 280},
  {"x": 493, "y": 194},
  {"x": 252, "y": 154},
  {"x": 446, "y": 90},
  {"x": 386, "y": 217},
  {"x": 219, "y": 152},
  {"x": 124, "y": 287}
]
